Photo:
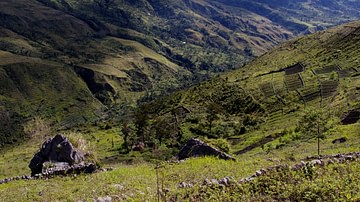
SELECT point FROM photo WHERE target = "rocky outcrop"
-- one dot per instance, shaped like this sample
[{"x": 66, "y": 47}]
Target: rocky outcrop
[
  {"x": 57, "y": 149},
  {"x": 339, "y": 140},
  {"x": 62, "y": 168},
  {"x": 351, "y": 118},
  {"x": 196, "y": 148}
]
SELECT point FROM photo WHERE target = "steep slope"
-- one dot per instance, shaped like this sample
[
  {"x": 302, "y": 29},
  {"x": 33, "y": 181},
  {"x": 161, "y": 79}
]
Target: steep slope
[
  {"x": 69, "y": 60},
  {"x": 262, "y": 103},
  {"x": 303, "y": 16}
]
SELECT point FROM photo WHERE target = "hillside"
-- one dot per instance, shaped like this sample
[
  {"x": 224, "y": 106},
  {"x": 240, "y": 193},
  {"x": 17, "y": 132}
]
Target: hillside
[
  {"x": 260, "y": 106},
  {"x": 72, "y": 62},
  {"x": 254, "y": 113}
]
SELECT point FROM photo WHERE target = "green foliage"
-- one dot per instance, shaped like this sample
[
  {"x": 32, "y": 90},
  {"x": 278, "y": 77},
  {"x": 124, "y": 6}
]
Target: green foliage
[
  {"x": 212, "y": 111},
  {"x": 316, "y": 123},
  {"x": 11, "y": 127},
  {"x": 38, "y": 128},
  {"x": 84, "y": 146},
  {"x": 219, "y": 143},
  {"x": 128, "y": 137}
]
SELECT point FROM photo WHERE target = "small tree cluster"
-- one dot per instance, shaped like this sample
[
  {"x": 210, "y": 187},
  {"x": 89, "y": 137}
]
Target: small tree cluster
[{"x": 150, "y": 132}]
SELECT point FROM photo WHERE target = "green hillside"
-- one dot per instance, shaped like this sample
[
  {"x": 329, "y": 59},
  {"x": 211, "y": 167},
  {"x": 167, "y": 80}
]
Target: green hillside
[
  {"x": 74, "y": 62},
  {"x": 258, "y": 113},
  {"x": 259, "y": 107}
]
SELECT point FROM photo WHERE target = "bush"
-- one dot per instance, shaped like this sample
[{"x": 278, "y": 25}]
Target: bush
[
  {"x": 37, "y": 128},
  {"x": 82, "y": 145},
  {"x": 221, "y": 144}
]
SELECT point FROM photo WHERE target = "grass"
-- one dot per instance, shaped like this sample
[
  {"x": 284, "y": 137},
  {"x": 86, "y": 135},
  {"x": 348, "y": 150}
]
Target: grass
[
  {"x": 147, "y": 52},
  {"x": 14, "y": 161},
  {"x": 138, "y": 181},
  {"x": 320, "y": 184}
]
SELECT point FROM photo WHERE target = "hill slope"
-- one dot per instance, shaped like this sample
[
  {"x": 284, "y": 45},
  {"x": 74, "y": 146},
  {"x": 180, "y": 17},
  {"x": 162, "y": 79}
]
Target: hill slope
[
  {"x": 70, "y": 60},
  {"x": 260, "y": 105}
]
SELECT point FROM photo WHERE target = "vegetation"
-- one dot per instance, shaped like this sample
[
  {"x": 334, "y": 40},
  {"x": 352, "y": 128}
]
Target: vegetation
[
  {"x": 316, "y": 122},
  {"x": 137, "y": 181},
  {"x": 272, "y": 111},
  {"x": 110, "y": 54},
  {"x": 235, "y": 106},
  {"x": 37, "y": 128}
]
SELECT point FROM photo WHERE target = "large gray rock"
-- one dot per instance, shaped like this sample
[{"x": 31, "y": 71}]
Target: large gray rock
[
  {"x": 57, "y": 149},
  {"x": 195, "y": 148}
]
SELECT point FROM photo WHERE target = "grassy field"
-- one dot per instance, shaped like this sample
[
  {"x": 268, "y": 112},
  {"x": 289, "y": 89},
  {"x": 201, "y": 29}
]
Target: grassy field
[{"x": 138, "y": 181}]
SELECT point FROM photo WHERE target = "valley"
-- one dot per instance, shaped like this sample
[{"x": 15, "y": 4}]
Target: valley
[{"x": 275, "y": 84}]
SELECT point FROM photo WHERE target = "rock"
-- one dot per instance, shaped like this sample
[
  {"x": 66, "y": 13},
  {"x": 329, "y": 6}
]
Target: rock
[
  {"x": 316, "y": 162},
  {"x": 90, "y": 168},
  {"x": 185, "y": 185},
  {"x": 139, "y": 147},
  {"x": 351, "y": 118},
  {"x": 330, "y": 161},
  {"x": 195, "y": 148},
  {"x": 55, "y": 167},
  {"x": 104, "y": 199},
  {"x": 244, "y": 180},
  {"x": 258, "y": 173},
  {"x": 299, "y": 166},
  {"x": 226, "y": 181},
  {"x": 206, "y": 182},
  {"x": 110, "y": 169},
  {"x": 57, "y": 149},
  {"x": 339, "y": 140},
  {"x": 349, "y": 158},
  {"x": 118, "y": 186}
]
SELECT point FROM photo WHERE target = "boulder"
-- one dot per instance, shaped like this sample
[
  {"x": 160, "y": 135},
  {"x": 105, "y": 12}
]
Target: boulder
[
  {"x": 339, "y": 140},
  {"x": 195, "y": 148},
  {"x": 57, "y": 149}
]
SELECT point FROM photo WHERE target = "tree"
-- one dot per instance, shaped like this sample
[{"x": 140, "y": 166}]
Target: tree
[
  {"x": 141, "y": 122},
  {"x": 213, "y": 110},
  {"x": 163, "y": 129},
  {"x": 127, "y": 132},
  {"x": 315, "y": 123}
]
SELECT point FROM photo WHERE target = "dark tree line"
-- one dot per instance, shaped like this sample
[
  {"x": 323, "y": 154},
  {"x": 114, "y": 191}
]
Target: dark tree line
[{"x": 151, "y": 132}]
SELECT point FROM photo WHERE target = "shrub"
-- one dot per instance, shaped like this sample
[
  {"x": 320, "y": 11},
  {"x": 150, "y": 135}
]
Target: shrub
[
  {"x": 221, "y": 144},
  {"x": 37, "y": 128},
  {"x": 82, "y": 145}
]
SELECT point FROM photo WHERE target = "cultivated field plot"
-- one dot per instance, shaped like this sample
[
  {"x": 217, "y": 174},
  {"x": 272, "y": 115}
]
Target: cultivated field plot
[
  {"x": 346, "y": 72},
  {"x": 328, "y": 69},
  {"x": 293, "y": 82},
  {"x": 310, "y": 93},
  {"x": 267, "y": 89},
  {"x": 328, "y": 88}
]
